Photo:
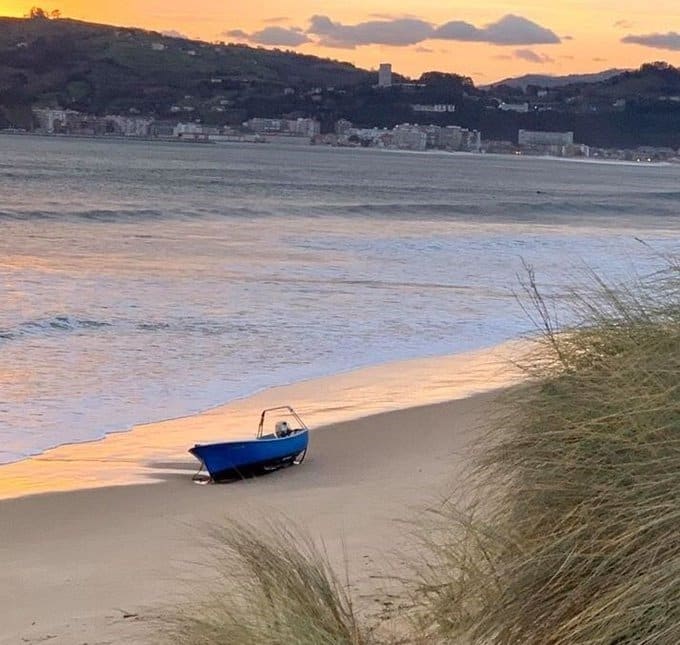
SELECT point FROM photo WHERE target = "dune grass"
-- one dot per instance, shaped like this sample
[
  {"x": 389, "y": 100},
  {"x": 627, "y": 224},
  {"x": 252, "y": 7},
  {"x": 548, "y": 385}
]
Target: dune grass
[
  {"x": 568, "y": 530},
  {"x": 274, "y": 587},
  {"x": 573, "y": 533}
]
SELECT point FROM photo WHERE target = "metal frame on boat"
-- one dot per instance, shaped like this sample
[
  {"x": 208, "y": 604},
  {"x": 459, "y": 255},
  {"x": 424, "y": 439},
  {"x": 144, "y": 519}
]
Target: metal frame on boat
[{"x": 242, "y": 458}]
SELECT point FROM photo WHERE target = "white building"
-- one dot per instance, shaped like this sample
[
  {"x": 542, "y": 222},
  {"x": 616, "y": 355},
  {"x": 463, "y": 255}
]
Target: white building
[
  {"x": 439, "y": 108},
  {"x": 129, "y": 126},
  {"x": 261, "y": 125},
  {"x": 290, "y": 127},
  {"x": 521, "y": 108},
  {"x": 410, "y": 137},
  {"x": 53, "y": 120},
  {"x": 451, "y": 137},
  {"x": 385, "y": 75},
  {"x": 304, "y": 127},
  {"x": 189, "y": 131},
  {"x": 540, "y": 138}
]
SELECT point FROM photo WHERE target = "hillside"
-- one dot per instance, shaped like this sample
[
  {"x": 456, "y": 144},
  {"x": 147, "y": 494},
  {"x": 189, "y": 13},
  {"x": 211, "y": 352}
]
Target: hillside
[
  {"x": 100, "y": 69},
  {"x": 547, "y": 81},
  {"x": 97, "y": 68}
]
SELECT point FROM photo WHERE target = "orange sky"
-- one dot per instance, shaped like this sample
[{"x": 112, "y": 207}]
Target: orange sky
[{"x": 590, "y": 30}]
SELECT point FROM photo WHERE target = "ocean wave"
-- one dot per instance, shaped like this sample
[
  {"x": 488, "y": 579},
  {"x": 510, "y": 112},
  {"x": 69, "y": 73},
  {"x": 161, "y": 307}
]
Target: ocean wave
[
  {"x": 484, "y": 208},
  {"x": 64, "y": 324},
  {"x": 496, "y": 210},
  {"x": 99, "y": 215},
  {"x": 109, "y": 216},
  {"x": 50, "y": 326}
]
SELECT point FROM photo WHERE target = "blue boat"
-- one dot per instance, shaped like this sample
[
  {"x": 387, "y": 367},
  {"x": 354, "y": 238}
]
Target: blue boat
[{"x": 286, "y": 446}]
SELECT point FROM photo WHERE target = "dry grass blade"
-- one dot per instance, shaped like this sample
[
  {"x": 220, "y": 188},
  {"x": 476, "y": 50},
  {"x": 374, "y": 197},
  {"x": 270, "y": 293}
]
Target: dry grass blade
[
  {"x": 574, "y": 537},
  {"x": 275, "y": 587}
]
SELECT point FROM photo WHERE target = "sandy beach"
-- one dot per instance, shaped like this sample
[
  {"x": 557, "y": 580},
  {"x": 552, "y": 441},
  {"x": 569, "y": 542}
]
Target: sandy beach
[{"x": 95, "y": 565}]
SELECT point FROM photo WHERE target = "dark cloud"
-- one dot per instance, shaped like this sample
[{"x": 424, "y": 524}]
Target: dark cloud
[
  {"x": 399, "y": 32},
  {"x": 273, "y": 36},
  {"x": 516, "y": 30},
  {"x": 509, "y": 30},
  {"x": 458, "y": 30},
  {"x": 533, "y": 57},
  {"x": 409, "y": 30},
  {"x": 671, "y": 40},
  {"x": 236, "y": 33},
  {"x": 280, "y": 37}
]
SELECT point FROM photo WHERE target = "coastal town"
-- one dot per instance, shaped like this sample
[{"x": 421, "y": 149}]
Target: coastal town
[
  {"x": 406, "y": 136},
  {"x": 416, "y": 137}
]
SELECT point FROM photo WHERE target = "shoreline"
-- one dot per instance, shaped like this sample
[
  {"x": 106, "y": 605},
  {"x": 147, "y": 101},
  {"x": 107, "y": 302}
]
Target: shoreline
[
  {"x": 339, "y": 372},
  {"x": 105, "y": 564},
  {"x": 673, "y": 162},
  {"x": 130, "y": 456}
]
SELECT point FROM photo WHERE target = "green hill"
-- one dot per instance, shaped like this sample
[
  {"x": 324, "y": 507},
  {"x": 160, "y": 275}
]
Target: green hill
[{"x": 98, "y": 68}]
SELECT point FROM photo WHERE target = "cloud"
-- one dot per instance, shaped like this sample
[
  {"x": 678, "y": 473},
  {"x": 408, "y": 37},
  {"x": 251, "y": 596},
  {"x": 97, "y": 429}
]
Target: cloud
[
  {"x": 623, "y": 24},
  {"x": 458, "y": 30},
  {"x": 273, "y": 36},
  {"x": 409, "y": 30},
  {"x": 424, "y": 50},
  {"x": 236, "y": 33},
  {"x": 276, "y": 19},
  {"x": 399, "y": 32},
  {"x": 671, "y": 40},
  {"x": 533, "y": 57},
  {"x": 597, "y": 59},
  {"x": 509, "y": 30}
]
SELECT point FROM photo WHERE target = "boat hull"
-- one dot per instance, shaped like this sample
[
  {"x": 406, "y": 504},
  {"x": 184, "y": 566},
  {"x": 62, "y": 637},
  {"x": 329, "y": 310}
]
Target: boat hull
[{"x": 238, "y": 459}]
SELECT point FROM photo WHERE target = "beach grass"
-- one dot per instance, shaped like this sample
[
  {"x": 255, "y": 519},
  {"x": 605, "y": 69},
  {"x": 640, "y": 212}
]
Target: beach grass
[
  {"x": 274, "y": 586},
  {"x": 567, "y": 530},
  {"x": 571, "y": 534}
]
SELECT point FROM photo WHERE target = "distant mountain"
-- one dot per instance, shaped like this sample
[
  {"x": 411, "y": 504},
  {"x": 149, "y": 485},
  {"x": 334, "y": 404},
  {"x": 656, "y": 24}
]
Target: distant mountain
[{"x": 547, "y": 81}]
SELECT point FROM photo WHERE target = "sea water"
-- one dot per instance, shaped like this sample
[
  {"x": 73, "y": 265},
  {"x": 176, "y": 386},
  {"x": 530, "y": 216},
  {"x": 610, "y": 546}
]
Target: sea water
[{"x": 141, "y": 281}]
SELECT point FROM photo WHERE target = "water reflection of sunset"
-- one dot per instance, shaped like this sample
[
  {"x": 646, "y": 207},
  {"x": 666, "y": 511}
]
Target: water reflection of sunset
[{"x": 149, "y": 452}]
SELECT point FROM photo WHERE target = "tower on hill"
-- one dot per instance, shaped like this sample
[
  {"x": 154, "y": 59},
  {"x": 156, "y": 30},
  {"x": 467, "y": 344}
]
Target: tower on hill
[{"x": 385, "y": 75}]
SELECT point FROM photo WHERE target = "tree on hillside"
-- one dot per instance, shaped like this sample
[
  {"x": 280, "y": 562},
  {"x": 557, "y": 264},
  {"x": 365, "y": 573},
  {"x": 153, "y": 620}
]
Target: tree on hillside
[{"x": 38, "y": 13}]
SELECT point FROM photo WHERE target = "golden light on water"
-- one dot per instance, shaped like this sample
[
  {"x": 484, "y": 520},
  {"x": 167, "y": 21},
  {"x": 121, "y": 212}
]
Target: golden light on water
[{"x": 150, "y": 452}]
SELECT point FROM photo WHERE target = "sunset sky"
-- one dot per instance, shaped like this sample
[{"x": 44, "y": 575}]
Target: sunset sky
[{"x": 487, "y": 40}]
